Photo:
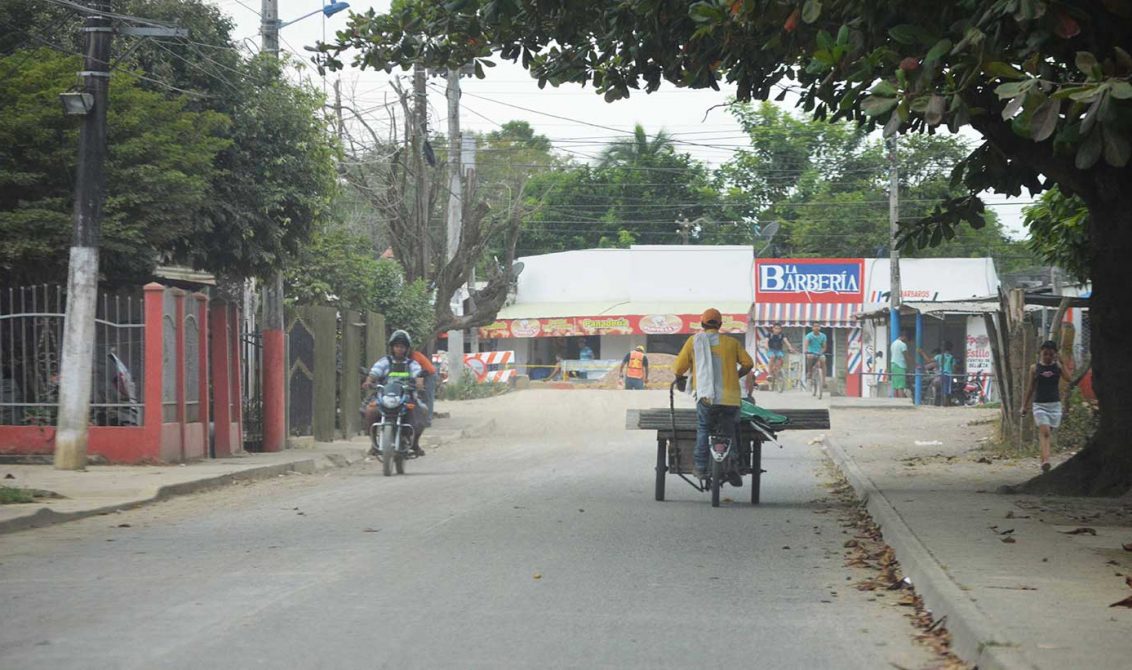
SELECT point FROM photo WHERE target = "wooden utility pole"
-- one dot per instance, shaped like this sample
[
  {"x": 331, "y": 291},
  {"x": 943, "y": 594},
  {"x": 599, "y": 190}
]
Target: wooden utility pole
[{"x": 72, "y": 424}]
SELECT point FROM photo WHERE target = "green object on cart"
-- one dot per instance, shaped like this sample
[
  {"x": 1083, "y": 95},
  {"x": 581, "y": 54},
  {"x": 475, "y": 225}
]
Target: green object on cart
[{"x": 749, "y": 410}]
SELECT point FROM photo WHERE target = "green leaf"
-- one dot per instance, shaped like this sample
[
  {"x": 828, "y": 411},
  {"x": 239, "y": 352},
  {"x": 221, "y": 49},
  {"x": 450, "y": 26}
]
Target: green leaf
[
  {"x": 884, "y": 88},
  {"x": 1012, "y": 107},
  {"x": 875, "y": 105},
  {"x": 1004, "y": 70},
  {"x": 1121, "y": 90},
  {"x": 811, "y": 11},
  {"x": 1117, "y": 148},
  {"x": 1090, "y": 151},
  {"x": 1086, "y": 62},
  {"x": 1044, "y": 120},
  {"x": 941, "y": 48},
  {"x": 1010, "y": 90},
  {"x": 843, "y": 35},
  {"x": 904, "y": 33},
  {"x": 934, "y": 113}
]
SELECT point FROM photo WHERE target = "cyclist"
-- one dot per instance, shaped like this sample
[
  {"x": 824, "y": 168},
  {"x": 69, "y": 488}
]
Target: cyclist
[
  {"x": 775, "y": 351},
  {"x": 814, "y": 344}
]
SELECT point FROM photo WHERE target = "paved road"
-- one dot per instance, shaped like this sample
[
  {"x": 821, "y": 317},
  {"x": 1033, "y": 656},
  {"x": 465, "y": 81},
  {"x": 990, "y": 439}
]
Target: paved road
[{"x": 542, "y": 548}]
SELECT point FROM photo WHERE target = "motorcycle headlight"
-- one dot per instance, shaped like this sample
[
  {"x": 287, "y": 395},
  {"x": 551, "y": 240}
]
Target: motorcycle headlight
[{"x": 390, "y": 401}]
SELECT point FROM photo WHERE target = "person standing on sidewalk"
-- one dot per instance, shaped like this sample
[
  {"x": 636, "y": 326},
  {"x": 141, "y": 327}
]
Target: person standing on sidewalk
[
  {"x": 898, "y": 364},
  {"x": 637, "y": 374},
  {"x": 716, "y": 362},
  {"x": 1043, "y": 389},
  {"x": 945, "y": 367}
]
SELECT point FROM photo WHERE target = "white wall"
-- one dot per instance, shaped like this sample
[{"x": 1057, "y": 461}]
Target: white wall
[
  {"x": 707, "y": 274},
  {"x": 616, "y": 346},
  {"x": 931, "y": 279},
  {"x": 643, "y": 273},
  {"x": 575, "y": 276}
]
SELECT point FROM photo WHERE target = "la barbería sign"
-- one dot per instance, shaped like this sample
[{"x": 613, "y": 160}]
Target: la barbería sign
[{"x": 819, "y": 280}]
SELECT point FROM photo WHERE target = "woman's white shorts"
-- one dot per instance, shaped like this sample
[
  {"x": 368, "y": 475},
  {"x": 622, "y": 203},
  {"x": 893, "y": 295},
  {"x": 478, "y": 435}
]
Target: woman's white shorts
[{"x": 1047, "y": 414}]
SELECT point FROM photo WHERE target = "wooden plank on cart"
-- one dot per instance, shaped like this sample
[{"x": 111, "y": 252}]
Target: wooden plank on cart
[{"x": 661, "y": 419}]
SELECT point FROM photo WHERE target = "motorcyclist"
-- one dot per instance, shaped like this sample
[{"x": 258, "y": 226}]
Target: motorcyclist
[{"x": 397, "y": 365}]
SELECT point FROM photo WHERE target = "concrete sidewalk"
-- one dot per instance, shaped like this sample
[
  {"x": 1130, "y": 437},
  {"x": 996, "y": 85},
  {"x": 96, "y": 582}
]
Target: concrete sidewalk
[
  {"x": 1017, "y": 587},
  {"x": 103, "y": 489}
]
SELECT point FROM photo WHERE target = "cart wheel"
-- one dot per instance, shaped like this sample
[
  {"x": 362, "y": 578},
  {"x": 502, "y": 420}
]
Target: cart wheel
[
  {"x": 756, "y": 470},
  {"x": 661, "y": 466},
  {"x": 716, "y": 478}
]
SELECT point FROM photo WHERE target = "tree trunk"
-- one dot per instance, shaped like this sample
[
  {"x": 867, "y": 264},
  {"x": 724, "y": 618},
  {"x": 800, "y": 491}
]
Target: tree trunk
[{"x": 1104, "y": 466}]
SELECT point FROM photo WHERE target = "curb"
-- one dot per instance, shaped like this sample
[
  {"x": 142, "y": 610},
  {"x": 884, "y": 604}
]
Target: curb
[
  {"x": 974, "y": 637},
  {"x": 46, "y": 516}
]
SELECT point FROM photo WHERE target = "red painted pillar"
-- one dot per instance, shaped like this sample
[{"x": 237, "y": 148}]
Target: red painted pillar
[
  {"x": 235, "y": 371},
  {"x": 179, "y": 366},
  {"x": 221, "y": 383},
  {"x": 202, "y": 368},
  {"x": 274, "y": 365},
  {"x": 154, "y": 375}
]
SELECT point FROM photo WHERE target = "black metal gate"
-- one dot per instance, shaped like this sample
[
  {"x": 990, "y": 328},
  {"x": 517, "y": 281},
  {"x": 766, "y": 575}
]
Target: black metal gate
[{"x": 251, "y": 383}]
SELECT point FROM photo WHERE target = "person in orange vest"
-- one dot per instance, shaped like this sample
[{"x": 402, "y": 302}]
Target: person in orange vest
[
  {"x": 637, "y": 374},
  {"x": 428, "y": 372}
]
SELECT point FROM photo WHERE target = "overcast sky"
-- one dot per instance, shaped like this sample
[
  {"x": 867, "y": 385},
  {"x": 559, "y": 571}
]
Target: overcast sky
[{"x": 576, "y": 119}]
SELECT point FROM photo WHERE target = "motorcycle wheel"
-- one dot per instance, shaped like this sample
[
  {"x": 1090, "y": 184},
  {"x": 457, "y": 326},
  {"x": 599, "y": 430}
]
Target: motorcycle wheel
[
  {"x": 388, "y": 449},
  {"x": 716, "y": 479}
]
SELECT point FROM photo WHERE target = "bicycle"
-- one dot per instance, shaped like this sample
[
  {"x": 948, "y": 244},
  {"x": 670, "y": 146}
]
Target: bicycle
[
  {"x": 777, "y": 377},
  {"x": 817, "y": 375}
]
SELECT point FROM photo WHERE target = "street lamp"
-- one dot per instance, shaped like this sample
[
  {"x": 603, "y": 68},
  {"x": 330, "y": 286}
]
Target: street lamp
[
  {"x": 76, "y": 103},
  {"x": 327, "y": 10}
]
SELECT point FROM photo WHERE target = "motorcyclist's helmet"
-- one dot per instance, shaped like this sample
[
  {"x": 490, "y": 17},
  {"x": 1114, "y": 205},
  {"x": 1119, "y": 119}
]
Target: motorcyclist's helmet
[{"x": 400, "y": 336}]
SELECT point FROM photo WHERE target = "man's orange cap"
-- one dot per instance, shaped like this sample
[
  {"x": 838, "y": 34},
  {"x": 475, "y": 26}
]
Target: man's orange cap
[{"x": 711, "y": 317}]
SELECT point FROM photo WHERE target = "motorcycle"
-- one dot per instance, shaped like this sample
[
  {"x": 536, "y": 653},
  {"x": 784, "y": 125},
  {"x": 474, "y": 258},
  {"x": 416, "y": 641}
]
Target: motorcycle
[
  {"x": 969, "y": 391},
  {"x": 391, "y": 438},
  {"x": 730, "y": 459}
]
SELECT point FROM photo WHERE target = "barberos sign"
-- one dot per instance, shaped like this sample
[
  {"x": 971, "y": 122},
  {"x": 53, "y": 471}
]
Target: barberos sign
[{"x": 651, "y": 324}]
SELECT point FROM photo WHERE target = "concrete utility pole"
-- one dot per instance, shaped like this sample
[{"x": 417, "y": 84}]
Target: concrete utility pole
[
  {"x": 893, "y": 254},
  {"x": 455, "y": 219},
  {"x": 468, "y": 166},
  {"x": 420, "y": 137},
  {"x": 274, "y": 344},
  {"x": 71, "y": 429}
]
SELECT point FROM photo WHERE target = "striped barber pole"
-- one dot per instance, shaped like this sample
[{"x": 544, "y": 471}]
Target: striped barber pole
[
  {"x": 855, "y": 353},
  {"x": 804, "y": 314}
]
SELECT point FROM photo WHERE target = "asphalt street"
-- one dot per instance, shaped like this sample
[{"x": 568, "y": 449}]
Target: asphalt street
[{"x": 541, "y": 547}]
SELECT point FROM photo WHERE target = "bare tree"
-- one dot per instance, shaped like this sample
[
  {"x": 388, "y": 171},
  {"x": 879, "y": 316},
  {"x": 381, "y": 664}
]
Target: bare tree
[{"x": 398, "y": 176}]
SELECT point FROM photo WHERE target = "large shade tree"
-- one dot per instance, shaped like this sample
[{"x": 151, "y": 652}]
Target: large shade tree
[{"x": 1046, "y": 85}]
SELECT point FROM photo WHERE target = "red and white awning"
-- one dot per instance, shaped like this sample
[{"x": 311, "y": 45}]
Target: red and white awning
[{"x": 830, "y": 315}]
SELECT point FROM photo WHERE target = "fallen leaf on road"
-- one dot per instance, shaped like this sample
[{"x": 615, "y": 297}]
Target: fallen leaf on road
[
  {"x": 123, "y": 525},
  {"x": 9, "y": 476},
  {"x": 1127, "y": 602},
  {"x": 1012, "y": 515},
  {"x": 850, "y": 543},
  {"x": 786, "y": 546},
  {"x": 1080, "y": 531},
  {"x": 1127, "y": 547},
  {"x": 984, "y": 459},
  {"x": 372, "y": 530},
  {"x": 1009, "y": 539},
  {"x": 537, "y": 575}
]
